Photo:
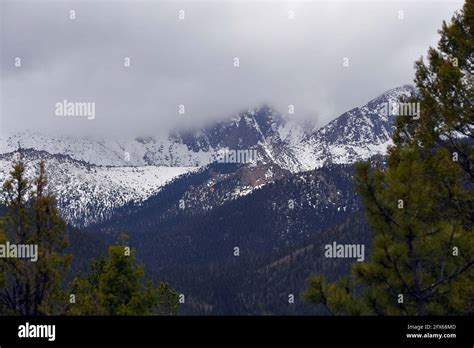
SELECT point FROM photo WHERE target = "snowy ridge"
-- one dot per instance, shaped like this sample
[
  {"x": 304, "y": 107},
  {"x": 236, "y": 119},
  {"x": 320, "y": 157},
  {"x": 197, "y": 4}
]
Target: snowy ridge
[
  {"x": 110, "y": 152},
  {"x": 354, "y": 135},
  {"x": 87, "y": 193},
  {"x": 92, "y": 176}
]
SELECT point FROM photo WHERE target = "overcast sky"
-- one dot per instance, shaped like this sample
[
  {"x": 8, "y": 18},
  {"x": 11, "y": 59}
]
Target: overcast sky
[{"x": 190, "y": 61}]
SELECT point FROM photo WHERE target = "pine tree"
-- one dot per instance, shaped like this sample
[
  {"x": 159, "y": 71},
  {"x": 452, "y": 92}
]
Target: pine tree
[
  {"x": 421, "y": 206},
  {"x": 115, "y": 285},
  {"x": 168, "y": 300},
  {"x": 32, "y": 288}
]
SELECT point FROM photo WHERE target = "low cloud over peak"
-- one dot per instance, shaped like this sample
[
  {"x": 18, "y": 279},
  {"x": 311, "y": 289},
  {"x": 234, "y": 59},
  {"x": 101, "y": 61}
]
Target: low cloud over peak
[{"x": 149, "y": 67}]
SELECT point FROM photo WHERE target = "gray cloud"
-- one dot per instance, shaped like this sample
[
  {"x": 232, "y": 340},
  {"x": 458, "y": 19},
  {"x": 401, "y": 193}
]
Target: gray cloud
[{"x": 190, "y": 61}]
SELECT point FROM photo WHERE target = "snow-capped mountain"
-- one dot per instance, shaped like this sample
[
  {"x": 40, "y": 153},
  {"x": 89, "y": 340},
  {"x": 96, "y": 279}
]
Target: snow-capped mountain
[
  {"x": 356, "y": 134},
  {"x": 154, "y": 151},
  {"x": 261, "y": 129},
  {"x": 92, "y": 177}
]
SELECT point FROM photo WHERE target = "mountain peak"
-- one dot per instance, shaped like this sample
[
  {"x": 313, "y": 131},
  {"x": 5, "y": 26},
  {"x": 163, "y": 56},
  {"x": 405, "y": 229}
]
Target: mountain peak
[
  {"x": 394, "y": 94},
  {"x": 356, "y": 134}
]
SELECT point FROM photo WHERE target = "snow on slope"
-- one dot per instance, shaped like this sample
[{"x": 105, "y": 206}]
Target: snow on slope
[
  {"x": 109, "y": 152},
  {"x": 94, "y": 176},
  {"x": 354, "y": 135},
  {"x": 88, "y": 193}
]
